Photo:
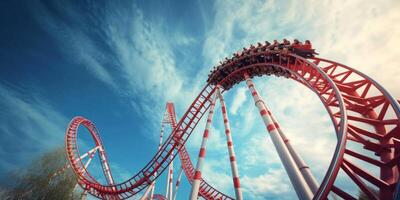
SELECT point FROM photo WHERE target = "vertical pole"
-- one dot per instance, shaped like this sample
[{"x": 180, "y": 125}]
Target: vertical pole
[
  {"x": 171, "y": 174},
  {"x": 232, "y": 157},
  {"x": 298, "y": 182},
  {"x": 168, "y": 176},
  {"x": 202, "y": 154},
  {"x": 177, "y": 183},
  {"x": 301, "y": 165},
  {"x": 167, "y": 186},
  {"x": 153, "y": 185}
]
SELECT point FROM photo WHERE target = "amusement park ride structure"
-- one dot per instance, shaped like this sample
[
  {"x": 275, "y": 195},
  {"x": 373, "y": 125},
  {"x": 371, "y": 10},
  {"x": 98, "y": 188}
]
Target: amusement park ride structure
[{"x": 361, "y": 111}]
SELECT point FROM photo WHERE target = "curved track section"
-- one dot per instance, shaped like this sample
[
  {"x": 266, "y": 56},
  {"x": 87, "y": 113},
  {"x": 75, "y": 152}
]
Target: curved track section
[
  {"x": 373, "y": 123},
  {"x": 360, "y": 109}
]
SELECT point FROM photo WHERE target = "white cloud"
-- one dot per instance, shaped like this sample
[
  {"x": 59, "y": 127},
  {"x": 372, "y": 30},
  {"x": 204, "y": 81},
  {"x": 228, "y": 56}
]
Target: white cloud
[
  {"x": 218, "y": 174},
  {"x": 73, "y": 42},
  {"x": 238, "y": 100},
  {"x": 141, "y": 61},
  {"x": 259, "y": 151},
  {"x": 362, "y": 35},
  {"x": 31, "y": 126},
  {"x": 270, "y": 184}
]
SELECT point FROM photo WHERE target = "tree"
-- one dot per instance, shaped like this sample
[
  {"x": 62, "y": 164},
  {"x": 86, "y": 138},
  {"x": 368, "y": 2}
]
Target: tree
[{"x": 39, "y": 181}]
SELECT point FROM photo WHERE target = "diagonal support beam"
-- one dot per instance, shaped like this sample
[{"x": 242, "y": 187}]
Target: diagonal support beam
[
  {"x": 170, "y": 180},
  {"x": 178, "y": 182},
  {"x": 232, "y": 156},
  {"x": 202, "y": 154},
  {"x": 302, "y": 166},
  {"x": 300, "y": 185},
  {"x": 153, "y": 185}
]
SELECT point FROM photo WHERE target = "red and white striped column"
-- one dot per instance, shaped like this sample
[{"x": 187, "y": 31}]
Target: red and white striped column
[
  {"x": 153, "y": 185},
  {"x": 232, "y": 156},
  {"x": 177, "y": 183},
  {"x": 202, "y": 154},
  {"x": 302, "y": 190},
  {"x": 170, "y": 180},
  {"x": 301, "y": 165}
]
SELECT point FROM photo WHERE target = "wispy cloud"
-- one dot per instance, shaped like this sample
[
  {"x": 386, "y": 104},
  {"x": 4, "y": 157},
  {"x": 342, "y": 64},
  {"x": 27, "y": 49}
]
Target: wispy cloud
[
  {"x": 73, "y": 40},
  {"x": 270, "y": 185},
  {"x": 30, "y": 121},
  {"x": 348, "y": 33},
  {"x": 238, "y": 100},
  {"x": 135, "y": 56},
  {"x": 140, "y": 63}
]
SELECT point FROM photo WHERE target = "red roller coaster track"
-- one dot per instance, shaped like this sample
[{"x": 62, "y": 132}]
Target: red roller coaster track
[{"x": 360, "y": 109}]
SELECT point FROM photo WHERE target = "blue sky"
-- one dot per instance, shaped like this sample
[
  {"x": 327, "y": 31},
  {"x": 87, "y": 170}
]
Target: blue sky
[{"x": 117, "y": 63}]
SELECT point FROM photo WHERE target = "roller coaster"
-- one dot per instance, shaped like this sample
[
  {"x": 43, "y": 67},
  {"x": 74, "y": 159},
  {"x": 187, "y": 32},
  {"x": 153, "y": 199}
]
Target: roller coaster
[{"x": 360, "y": 109}]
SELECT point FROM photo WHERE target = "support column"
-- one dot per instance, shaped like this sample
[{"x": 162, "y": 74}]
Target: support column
[
  {"x": 177, "y": 183},
  {"x": 171, "y": 174},
  {"x": 153, "y": 185},
  {"x": 301, "y": 165},
  {"x": 302, "y": 190},
  {"x": 232, "y": 157},
  {"x": 202, "y": 154}
]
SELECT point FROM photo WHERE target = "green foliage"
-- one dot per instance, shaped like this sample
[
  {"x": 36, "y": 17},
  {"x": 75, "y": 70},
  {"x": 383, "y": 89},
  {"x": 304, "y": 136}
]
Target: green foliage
[{"x": 39, "y": 182}]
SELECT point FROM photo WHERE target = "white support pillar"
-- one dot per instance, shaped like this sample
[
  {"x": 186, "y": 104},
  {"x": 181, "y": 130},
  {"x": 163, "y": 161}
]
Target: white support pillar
[
  {"x": 302, "y": 190},
  {"x": 232, "y": 156},
  {"x": 170, "y": 183},
  {"x": 301, "y": 165},
  {"x": 177, "y": 183},
  {"x": 167, "y": 185},
  {"x": 202, "y": 154},
  {"x": 153, "y": 185}
]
